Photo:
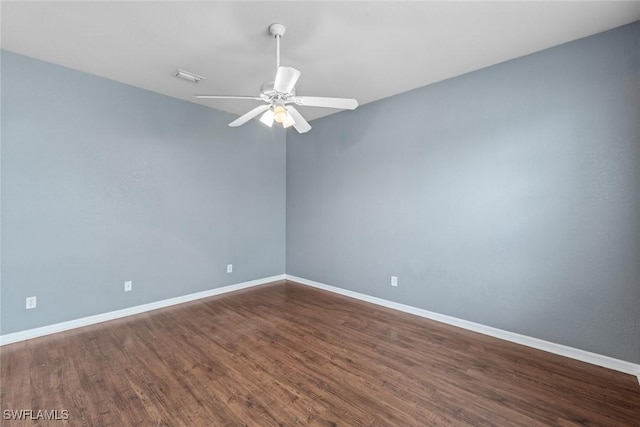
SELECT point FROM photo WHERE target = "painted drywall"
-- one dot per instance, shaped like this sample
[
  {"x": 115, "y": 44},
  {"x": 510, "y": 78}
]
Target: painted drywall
[
  {"x": 507, "y": 197},
  {"x": 104, "y": 183}
]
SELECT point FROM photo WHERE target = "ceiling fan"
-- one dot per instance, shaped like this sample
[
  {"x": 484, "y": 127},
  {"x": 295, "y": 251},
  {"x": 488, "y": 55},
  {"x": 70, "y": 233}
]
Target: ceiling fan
[{"x": 280, "y": 94}]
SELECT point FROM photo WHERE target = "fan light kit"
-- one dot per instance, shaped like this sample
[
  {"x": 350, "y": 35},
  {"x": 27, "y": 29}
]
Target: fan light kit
[{"x": 279, "y": 94}]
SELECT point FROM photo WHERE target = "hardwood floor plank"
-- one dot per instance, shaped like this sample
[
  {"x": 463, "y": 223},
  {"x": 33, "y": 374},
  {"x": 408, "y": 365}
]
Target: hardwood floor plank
[{"x": 288, "y": 355}]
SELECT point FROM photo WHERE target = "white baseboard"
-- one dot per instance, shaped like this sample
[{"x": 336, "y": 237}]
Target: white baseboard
[
  {"x": 103, "y": 317},
  {"x": 562, "y": 350}
]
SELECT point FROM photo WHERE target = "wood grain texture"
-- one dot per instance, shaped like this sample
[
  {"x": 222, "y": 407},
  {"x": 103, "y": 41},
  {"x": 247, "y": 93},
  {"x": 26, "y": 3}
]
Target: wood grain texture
[{"x": 284, "y": 354}]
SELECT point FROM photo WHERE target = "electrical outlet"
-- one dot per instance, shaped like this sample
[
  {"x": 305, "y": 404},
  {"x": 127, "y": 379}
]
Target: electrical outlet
[
  {"x": 229, "y": 268},
  {"x": 394, "y": 281},
  {"x": 31, "y": 303},
  {"x": 128, "y": 286}
]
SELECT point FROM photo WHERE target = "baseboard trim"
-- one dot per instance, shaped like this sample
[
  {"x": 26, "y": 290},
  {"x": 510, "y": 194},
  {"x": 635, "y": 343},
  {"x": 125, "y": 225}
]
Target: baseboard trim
[
  {"x": 117, "y": 314},
  {"x": 562, "y": 350}
]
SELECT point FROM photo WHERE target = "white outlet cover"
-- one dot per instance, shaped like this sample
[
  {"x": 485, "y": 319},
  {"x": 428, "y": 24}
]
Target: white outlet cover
[
  {"x": 128, "y": 285},
  {"x": 30, "y": 303},
  {"x": 394, "y": 281},
  {"x": 229, "y": 268}
]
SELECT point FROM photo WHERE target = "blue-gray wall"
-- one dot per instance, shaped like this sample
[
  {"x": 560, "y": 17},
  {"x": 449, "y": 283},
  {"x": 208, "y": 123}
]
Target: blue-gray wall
[
  {"x": 509, "y": 196},
  {"x": 103, "y": 182}
]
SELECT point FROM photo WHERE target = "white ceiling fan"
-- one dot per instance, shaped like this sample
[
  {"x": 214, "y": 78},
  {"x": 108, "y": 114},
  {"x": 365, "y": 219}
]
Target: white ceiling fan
[{"x": 279, "y": 94}]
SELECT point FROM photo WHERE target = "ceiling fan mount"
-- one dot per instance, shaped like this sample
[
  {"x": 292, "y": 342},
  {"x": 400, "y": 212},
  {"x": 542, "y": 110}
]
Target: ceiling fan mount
[
  {"x": 277, "y": 30},
  {"x": 280, "y": 93}
]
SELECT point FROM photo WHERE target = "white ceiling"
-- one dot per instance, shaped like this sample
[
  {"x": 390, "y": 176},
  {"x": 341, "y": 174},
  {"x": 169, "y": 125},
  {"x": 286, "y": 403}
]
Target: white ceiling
[{"x": 362, "y": 50}]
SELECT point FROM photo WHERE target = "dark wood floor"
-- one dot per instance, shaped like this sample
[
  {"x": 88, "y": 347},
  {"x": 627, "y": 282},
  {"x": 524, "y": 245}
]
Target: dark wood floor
[{"x": 285, "y": 354}]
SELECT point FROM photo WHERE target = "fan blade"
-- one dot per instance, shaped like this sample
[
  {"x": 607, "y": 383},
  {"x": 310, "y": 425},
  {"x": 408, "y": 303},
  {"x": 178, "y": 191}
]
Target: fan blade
[
  {"x": 286, "y": 79},
  {"x": 300, "y": 124},
  {"x": 227, "y": 97},
  {"x": 321, "y": 101},
  {"x": 248, "y": 116}
]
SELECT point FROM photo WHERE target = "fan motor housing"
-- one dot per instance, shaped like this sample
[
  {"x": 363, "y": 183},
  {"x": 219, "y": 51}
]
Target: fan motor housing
[{"x": 268, "y": 92}]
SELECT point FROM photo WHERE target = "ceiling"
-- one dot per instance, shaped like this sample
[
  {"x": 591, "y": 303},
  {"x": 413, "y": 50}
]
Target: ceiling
[{"x": 354, "y": 49}]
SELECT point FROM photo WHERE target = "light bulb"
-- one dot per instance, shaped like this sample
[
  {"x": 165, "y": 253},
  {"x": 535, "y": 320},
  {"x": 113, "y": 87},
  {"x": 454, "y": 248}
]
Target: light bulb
[{"x": 280, "y": 114}]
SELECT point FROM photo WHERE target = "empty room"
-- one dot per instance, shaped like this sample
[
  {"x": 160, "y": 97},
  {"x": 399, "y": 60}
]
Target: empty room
[{"x": 291, "y": 213}]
